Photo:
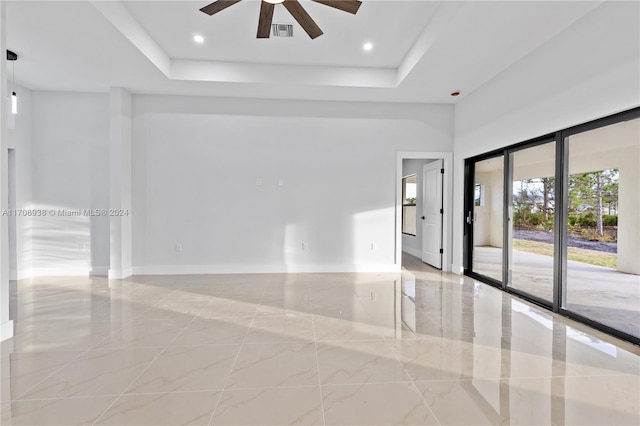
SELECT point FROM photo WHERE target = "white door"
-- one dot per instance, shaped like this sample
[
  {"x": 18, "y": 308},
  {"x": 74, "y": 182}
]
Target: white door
[{"x": 432, "y": 213}]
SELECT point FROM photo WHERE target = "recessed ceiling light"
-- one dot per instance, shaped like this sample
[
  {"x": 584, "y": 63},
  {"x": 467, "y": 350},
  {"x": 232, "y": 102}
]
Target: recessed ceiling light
[
  {"x": 368, "y": 46},
  {"x": 198, "y": 39}
]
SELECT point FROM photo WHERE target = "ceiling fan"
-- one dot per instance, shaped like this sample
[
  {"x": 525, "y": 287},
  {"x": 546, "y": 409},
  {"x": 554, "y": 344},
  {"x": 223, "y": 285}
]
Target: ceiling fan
[{"x": 293, "y": 6}]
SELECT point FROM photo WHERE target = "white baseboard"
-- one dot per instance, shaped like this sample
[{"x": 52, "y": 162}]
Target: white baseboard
[
  {"x": 99, "y": 270},
  {"x": 118, "y": 274},
  {"x": 6, "y": 330},
  {"x": 58, "y": 272},
  {"x": 457, "y": 269},
  {"x": 412, "y": 252},
  {"x": 257, "y": 269}
]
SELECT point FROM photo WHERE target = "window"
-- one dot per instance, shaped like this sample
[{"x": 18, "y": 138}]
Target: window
[
  {"x": 409, "y": 193},
  {"x": 478, "y": 195}
]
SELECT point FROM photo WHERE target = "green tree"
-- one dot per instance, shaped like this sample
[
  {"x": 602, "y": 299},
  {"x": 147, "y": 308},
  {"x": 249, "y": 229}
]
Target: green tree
[
  {"x": 589, "y": 191},
  {"x": 522, "y": 202},
  {"x": 548, "y": 196},
  {"x": 610, "y": 191},
  {"x": 534, "y": 201}
]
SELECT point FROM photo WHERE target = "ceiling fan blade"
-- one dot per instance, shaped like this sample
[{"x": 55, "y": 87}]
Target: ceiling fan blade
[
  {"x": 350, "y": 6},
  {"x": 217, "y": 6},
  {"x": 303, "y": 18},
  {"x": 266, "y": 17}
]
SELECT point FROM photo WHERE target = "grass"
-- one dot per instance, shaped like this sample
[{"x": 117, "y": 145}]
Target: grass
[{"x": 591, "y": 257}]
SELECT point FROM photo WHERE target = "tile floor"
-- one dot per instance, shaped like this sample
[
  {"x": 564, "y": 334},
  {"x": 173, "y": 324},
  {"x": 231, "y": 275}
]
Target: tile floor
[
  {"x": 602, "y": 294},
  {"x": 421, "y": 347}
]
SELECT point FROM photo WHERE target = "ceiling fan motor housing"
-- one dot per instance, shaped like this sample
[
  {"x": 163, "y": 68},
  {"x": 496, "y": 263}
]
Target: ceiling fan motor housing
[{"x": 265, "y": 27}]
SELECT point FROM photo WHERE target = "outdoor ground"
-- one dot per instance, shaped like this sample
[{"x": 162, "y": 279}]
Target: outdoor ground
[{"x": 547, "y": 237}]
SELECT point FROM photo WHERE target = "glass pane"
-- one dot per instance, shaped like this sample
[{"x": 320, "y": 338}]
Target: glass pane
[
  {"x": 531, "y": 225},
  {"x": 487, "y": 212},
  {"x": 409, "y": 194},
  {"x": 603, "y": 225},
  {"x": 409, "y": 190},
  {"x": 409, "y": 220}
]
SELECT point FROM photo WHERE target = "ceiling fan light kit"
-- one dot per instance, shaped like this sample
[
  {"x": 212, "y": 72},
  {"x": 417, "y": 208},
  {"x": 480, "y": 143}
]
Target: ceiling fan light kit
[{"x": 293, "y": 7}]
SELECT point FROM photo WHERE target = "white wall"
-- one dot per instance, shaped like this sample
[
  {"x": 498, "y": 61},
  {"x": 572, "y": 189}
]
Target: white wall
[
  {"x": 588, "y": 71},
  {"x": 19, "y": 140},
  {"x": 197, "y": 162},
  {"x": 70, "y": 166},
  {"x": 120, "y": 175}
]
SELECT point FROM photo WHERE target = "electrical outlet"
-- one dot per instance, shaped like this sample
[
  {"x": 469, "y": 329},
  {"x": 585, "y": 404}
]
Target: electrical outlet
[
  {"x": 280, "y": 182},
  {"x": 178, "y": 247},
  {"x": 258, "y": 182},
  {"x": 373, "y": 246},
  {"x": 304, "y": 247}
]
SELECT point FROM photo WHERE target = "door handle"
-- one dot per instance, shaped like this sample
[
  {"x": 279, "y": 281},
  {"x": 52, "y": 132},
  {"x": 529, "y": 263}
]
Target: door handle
[{"x": 469, "y": 218}]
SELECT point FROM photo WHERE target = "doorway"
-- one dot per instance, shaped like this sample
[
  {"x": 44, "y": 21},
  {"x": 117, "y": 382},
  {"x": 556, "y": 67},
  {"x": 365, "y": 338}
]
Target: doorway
[
  {"x": 431, "y": 219},
  {"x": 423, "y": 212}
]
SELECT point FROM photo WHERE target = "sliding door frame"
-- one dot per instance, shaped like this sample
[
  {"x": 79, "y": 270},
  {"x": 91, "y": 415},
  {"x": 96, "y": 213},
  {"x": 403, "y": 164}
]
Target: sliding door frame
[
  {"x": 561, "y": 139},
  {"x": 508, "y": 213},
  {"x": 565, "y": 135},
  {"x": 469, "y": 184}
]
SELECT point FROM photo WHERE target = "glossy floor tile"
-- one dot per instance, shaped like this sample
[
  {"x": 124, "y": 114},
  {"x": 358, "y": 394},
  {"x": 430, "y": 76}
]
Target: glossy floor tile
[
  {"x": 189, "y": 408},
  {"x": 275, "y": 365},
  {"x": 417, "y": 347},
  {"x": 363, "y": 361},
  {"x": 95, "y": 373},
  {"x": 270, "y": 406},
  {"x": 187, "y": 368},
  {"x": 376, "y": 404},
  {"x": 58, "y": 412}
]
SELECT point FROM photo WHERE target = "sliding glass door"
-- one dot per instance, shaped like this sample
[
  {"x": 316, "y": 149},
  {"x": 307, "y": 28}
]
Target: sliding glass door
[
  {"x": 488, "y": 199},
  {"x": 602, "y": 218},
  {"x": 531, "y": 221},
  {"x": 556, "y": 220}
]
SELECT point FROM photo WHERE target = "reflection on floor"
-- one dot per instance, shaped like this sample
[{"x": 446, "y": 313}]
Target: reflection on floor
[
  {"x": 602, "y": 294},
  {"x": 421, "y": 347}
]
